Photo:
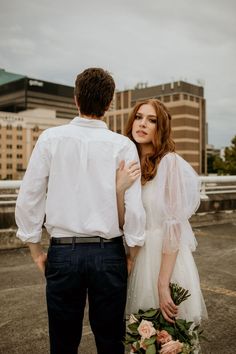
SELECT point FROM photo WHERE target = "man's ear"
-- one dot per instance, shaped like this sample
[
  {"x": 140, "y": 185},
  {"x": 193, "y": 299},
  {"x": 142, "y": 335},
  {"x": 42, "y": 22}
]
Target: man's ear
[{"x": 76, "y": 102}]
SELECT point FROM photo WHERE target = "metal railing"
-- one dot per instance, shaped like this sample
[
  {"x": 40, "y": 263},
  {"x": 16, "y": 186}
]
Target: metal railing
[
  {"x": 12, "y": 189},
  {"x": 217, "y": 185},
  {"x": 209, "y": 185}
]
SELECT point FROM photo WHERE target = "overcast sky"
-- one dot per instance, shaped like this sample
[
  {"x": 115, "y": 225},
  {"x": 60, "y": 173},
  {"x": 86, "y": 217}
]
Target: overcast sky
[{"x": 137, "y": 41}]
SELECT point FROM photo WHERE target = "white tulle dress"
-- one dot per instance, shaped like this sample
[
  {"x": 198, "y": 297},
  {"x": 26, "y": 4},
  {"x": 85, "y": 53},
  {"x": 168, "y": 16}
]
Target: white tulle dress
[{"x": 169, "y": 200}]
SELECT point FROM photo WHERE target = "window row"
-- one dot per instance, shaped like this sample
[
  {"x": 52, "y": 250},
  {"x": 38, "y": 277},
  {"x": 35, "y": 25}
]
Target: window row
[
  {"x": 9, "y": 146},
  {"x": 177, "y": 97},
  {"x": 9, "y": 127},
  {"x": 9, "y": 156},
  {"x": 9, "y": 137},
  {"x": 9, "y": 166}
]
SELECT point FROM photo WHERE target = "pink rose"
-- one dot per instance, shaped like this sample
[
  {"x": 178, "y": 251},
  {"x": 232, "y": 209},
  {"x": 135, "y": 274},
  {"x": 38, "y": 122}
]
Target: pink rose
[
  {"x": 171, "y": 347},
  {"x": 163, "y": 337},
  {"x": 146, "y": 329}
]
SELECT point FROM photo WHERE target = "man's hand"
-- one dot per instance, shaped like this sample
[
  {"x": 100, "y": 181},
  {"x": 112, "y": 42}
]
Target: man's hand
[
  {"x": 40, "y": 261},
  {"x": 38, "y": 255}
]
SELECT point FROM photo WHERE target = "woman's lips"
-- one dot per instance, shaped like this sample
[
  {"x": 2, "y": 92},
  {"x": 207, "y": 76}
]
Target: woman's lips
[{"x": 141, "y": 133}]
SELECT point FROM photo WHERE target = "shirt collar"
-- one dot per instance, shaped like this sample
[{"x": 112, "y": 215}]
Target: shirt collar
[{"x": 91, "y": 123}]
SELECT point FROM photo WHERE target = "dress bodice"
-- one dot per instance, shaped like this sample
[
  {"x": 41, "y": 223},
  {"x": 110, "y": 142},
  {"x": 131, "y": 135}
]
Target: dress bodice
[{"x": 150, "y": 200}]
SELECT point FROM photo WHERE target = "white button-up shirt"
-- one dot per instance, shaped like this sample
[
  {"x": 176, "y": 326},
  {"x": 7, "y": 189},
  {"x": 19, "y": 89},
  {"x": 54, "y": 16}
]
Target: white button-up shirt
[{"x": 71, "y": 178}]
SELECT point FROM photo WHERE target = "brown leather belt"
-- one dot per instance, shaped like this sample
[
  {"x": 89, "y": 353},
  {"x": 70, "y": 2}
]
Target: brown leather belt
[{"x": 76, "y": 239}]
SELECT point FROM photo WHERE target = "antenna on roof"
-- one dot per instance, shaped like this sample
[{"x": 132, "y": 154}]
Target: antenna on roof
[{"x": 201, "y": 82}]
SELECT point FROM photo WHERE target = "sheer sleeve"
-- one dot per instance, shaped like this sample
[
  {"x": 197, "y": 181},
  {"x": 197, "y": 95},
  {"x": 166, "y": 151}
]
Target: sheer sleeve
[{"x": 178, "y": 199}]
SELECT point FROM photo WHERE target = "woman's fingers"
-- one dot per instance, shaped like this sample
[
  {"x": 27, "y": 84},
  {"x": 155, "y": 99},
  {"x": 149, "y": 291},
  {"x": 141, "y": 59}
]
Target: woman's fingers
[
  {"x": 169, "y": 311},
  {"x": 172, "y": 307},
  {"x": 167, "y": 317},
  {"x": 133, "y": 168},
  {"x": 131, "y": 164}
]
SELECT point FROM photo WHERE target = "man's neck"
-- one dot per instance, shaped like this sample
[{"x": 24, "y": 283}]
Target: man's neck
[{"x": 90, "y": 117}]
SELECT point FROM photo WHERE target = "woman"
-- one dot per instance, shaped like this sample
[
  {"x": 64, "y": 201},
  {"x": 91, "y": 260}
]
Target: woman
[{"x": 170, "y": 196}]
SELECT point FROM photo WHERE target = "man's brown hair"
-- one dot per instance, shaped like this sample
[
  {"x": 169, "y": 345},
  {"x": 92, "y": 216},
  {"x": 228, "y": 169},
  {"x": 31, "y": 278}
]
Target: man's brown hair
[{"x": 94, "y": 90}]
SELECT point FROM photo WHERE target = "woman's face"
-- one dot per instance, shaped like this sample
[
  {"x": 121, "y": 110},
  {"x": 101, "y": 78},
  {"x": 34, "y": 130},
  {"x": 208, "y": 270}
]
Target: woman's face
[{"x": 144, "y": 125}]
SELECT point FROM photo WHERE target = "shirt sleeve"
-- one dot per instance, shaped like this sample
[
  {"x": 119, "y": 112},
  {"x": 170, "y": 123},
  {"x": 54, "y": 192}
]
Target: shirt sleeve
[
  {"x": 135, "y": 218},
  {"x": 31, "y": 201},
  {"x": 178, "y": 199}
]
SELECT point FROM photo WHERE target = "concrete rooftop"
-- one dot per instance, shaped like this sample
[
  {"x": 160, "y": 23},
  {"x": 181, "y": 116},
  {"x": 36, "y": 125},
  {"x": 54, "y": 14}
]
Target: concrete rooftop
[{"x": 23, "y": 318}]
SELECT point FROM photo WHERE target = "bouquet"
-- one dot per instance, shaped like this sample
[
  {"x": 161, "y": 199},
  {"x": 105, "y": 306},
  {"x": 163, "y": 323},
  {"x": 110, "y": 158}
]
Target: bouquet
[{"x": 148, "y": 332}]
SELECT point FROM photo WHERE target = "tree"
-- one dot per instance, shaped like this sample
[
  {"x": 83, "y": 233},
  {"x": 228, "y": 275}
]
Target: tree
[
  {"x": 210, "y": 164},
  {"x": 228, "y": 165}
]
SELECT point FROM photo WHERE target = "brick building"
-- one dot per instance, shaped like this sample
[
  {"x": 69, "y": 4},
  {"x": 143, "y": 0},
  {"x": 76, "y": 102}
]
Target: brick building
[{"x": 39, "y": 104}]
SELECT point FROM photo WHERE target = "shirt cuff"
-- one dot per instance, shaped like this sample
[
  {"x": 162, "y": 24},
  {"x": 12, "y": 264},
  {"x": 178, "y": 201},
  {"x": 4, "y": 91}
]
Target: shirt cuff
[
  {"x": 33, "y": 237},
  {"x": 133, "y": 241}
]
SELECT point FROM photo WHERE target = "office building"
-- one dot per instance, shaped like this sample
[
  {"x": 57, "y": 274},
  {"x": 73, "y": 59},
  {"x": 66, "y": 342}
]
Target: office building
[{"x": 185, "y": 102}]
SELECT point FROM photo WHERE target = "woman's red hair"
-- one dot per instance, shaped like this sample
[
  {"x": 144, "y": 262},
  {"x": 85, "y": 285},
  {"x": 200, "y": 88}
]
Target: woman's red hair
[{"x": 163, "y": 142}]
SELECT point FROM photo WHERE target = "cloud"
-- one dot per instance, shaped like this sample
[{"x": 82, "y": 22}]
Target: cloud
[{"x": 153, "y": 41}]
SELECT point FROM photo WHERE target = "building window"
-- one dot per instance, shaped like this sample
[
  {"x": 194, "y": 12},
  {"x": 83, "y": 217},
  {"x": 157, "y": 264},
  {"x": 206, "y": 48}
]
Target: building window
[
  {"x": 35, "y": 128},
  {"x": 35, "y": 138},
  {"x": 185, "y": 97},
  {"x": 19, "y": 156},
  {"x": 19, "y": 146},
  {"x": 111, "y": 122},
  {"x": 19, "y": 127},
  {"x": 9, "y": 136},
  {"x": 9, "y": 166},
  {"x": 19, "y": 166},
  {"x": 197, "y": 99},
  {"x": 166, "y": 98},
  {"x": 9, "y": 156},
  {"x": 19, "y": 137},
  {"x": 126, "y": 99},
  {"x": 176, "y": 97},
  {"x": 9, "y": 127},
  {"x": 191, "y": 98},
  {"x": 118, "y": 100},
  {"x": 9, "y": 176},
  {"x": 9, "y": 146},
  {"x": 126, "y": 117},
  {"x": 118, "y": 123}
]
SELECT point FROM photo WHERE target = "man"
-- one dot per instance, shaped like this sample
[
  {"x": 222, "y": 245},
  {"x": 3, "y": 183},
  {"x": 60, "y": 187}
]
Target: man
[{"x": 71, "y": 179}]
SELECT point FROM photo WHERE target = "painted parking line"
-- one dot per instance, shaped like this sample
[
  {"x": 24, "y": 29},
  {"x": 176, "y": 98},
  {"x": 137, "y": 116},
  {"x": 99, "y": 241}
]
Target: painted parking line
[{"x": 221, "y": 291}]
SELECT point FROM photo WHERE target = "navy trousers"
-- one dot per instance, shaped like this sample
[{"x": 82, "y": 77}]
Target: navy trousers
[{"x": 74, "y": 272}]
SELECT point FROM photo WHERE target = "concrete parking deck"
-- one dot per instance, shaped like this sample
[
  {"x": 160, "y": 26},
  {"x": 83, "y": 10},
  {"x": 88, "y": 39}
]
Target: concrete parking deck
[{"x": 23, "y": 318}]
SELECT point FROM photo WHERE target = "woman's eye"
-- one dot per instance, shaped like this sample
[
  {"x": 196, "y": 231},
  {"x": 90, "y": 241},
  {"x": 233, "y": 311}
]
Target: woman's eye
[
  {"x": 138, "y": 117},
  {"x": 153, "y": 121}
]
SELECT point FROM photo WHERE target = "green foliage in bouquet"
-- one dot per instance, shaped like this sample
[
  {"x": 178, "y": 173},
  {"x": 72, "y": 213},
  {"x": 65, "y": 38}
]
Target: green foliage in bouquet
[{"x": 148, "y": 331}]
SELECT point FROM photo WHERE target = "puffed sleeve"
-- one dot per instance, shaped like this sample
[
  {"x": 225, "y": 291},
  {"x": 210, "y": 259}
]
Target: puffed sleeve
[{"x": 178, "y": 199}]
